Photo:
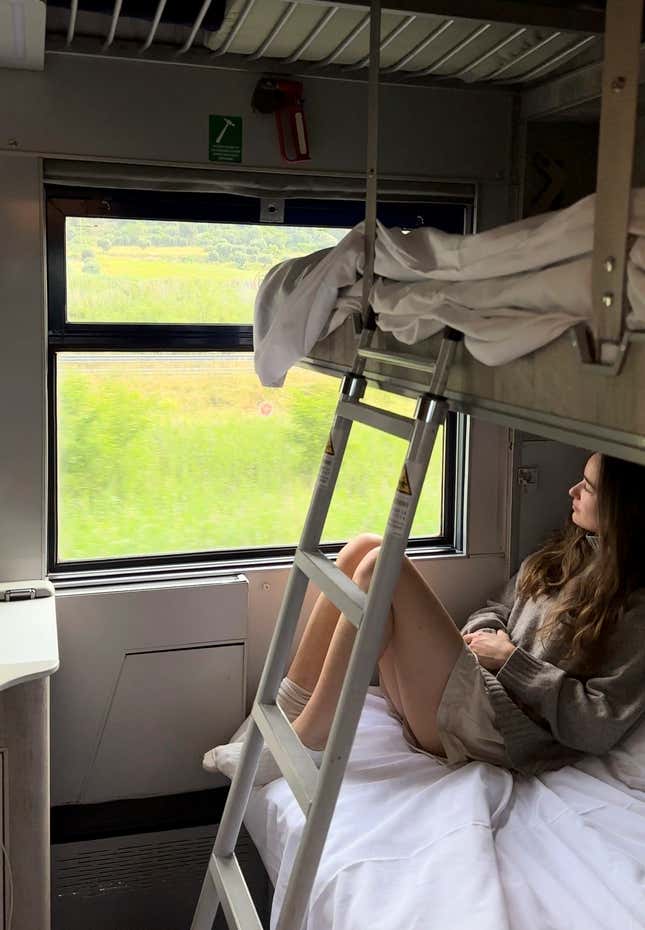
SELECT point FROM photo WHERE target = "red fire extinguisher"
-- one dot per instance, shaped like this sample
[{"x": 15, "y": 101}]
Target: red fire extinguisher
[{"x": 283, "y": 97}]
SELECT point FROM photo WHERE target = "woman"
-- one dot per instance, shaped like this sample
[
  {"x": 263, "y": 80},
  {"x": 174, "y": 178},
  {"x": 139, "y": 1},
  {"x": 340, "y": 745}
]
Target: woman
[{"x": 554, "y": 670}]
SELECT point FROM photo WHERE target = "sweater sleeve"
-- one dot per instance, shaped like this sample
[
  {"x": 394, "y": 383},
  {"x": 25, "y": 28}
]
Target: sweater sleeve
[
  {"x": 495, "y": 614},
  {"x": 592, "y": 715}
]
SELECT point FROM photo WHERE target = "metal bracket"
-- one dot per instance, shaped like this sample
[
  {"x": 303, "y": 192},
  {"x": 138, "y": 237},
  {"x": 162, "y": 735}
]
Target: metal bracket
[
  {"x": 611, "y": 354},
  {"x": 353, "y": 386},
  {"x": 272, "y": 210},
  {"x": 614, "y": 178}
]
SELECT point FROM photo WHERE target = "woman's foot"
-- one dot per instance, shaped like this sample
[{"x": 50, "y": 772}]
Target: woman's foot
[
  {"x": 292, "y": 699},
  {"x": 225, "y": 759}
]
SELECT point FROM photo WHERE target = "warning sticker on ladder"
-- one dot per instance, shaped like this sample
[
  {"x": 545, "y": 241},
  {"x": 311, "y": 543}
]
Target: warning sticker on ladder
[
  {"x": 404, "y": 483},
  {"x": 328, "y": 462},
  {"x": 401, "y": 513}
]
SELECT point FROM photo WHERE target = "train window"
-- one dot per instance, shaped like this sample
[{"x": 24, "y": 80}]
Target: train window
[{"x": 164, "y": 446}]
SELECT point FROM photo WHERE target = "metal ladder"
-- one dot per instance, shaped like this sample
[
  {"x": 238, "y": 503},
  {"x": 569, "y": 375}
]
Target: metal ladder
[{"x": 317, "y": 791}]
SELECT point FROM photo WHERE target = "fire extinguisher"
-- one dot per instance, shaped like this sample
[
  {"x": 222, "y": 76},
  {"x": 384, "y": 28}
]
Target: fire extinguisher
[{"x": 283, "y": 97}]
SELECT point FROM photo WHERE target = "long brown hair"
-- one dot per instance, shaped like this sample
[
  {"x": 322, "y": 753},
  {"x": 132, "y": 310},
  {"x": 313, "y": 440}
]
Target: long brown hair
[{"x": 590, "y": 581}]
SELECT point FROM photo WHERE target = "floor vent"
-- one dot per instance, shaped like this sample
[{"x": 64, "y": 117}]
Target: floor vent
[{"x": 146, "y": 882}]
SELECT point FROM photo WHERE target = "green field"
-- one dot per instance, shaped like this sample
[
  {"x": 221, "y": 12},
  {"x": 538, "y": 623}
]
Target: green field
[
  {"x": 135, "y": 271},
  {"x": 160, "y": 288},
  {"x": 185, "y": 452}
]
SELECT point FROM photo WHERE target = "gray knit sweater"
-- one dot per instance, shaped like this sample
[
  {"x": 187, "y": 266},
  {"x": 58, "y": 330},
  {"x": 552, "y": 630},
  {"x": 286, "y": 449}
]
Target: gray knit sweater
[{"x": 548, "y": 715}]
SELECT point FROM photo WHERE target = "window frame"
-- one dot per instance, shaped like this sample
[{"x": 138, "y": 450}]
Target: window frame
[{"x": 68, "y": 337}]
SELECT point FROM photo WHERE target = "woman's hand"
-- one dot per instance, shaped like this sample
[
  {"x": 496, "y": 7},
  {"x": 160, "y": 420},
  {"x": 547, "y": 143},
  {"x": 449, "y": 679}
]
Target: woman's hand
[{"x": 492, "y": 648}]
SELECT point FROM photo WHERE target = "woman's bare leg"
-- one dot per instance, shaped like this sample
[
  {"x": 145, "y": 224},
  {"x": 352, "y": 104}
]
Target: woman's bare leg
[
  {"x": 422, "y": 652},
  {"x": 421, "y": 646},
  {"x": 314, "y": 643}
]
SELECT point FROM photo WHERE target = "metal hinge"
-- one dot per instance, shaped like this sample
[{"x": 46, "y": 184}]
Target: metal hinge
[{"x": 23, "y": 594}]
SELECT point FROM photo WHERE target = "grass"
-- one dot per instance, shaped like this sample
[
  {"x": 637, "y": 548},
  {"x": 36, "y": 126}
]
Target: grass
[
  {"x": 134, "y": 289},
  {"x": 153, "y": 464}
]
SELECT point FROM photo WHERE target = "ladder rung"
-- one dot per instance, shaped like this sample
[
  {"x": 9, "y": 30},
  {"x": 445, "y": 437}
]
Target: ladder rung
[
  {"x": 333, "y": 583},
  {"x": 292, "y": 758},
  {"x": 384, "y": 420},
  {"x": 233, "y": 893},
  {"x": 400, "y": 359}
]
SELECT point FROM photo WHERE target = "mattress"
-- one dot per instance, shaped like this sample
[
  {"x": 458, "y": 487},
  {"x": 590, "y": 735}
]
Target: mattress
[{"x": 421, "y": 845}]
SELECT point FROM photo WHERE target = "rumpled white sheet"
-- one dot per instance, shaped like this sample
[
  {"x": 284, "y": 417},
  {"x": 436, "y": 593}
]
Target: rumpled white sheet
[
  {"x": 509, "y": 290},
  {"x": 421, "y": 845}
]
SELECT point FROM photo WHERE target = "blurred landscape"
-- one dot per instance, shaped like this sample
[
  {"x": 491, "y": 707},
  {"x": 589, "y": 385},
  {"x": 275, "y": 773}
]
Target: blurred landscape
[{"x": 162, "y": 453}]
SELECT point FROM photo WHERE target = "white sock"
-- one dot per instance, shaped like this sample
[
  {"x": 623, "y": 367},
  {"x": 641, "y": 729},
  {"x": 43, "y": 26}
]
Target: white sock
[
  {"x": 225, "y": 759},
  {"x": 292, "y": 699}
]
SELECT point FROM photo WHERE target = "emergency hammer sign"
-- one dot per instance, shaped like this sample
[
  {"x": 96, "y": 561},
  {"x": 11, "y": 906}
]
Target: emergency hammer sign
[
  {"x": 283, "y": 98},
  {"x": 227, "y": 124}
]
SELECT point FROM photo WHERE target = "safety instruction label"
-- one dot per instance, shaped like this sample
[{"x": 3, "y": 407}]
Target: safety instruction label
[
  {"x": 328, "y": 462},
  {"x": 404, "y": 483},
  {"x": 225, "y": 138},
  {"x": 398, "y": 522},
  {"x": 404, "y": 503}
]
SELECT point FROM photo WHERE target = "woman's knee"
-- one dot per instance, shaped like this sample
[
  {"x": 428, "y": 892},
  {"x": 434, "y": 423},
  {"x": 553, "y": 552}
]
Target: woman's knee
[
  {"x": 356, "y": 549},
  {"x": 365, "y": 568}
]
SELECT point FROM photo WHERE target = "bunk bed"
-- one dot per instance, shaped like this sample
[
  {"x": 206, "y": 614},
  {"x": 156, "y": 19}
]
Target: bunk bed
[{"x": 415, "y": 842}]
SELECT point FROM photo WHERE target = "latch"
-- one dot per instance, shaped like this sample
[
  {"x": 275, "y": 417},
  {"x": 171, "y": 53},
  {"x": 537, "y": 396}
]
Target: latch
[
  {"x": 23, "y": 594},
  {"x": 527, "y": 478}
]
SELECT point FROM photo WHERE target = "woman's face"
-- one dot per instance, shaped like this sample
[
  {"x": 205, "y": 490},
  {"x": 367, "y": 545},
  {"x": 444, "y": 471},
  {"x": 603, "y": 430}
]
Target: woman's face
[{"x": 584, "y": 495}]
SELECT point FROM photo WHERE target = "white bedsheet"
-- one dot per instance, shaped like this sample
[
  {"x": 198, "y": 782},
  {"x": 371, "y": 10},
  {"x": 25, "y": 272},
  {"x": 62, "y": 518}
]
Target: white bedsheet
[
  {"x": 509, "y": 290},
  {"x": 419, "y": 845}
]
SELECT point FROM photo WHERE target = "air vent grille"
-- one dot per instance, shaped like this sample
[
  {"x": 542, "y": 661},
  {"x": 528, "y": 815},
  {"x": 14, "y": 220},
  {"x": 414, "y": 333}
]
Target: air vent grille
[
  {"x": 150, "y": 881},
  {"x": 124, "y": 867}
]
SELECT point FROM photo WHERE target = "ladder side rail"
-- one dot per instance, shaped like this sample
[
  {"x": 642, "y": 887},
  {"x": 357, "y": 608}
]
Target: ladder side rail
[
  {"x": 352, "y": 388},
  {"x": 614, "y": 174},
  {"x": 364, "y": 656},
  {"x": 208, "y": 902},
  {"x": 285, "y": 628}
]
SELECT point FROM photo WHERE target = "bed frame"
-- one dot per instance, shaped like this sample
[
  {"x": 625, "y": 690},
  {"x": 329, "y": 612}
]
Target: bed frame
[
  {"x": 549, "y": 393},
  {"x": 584, "y": 388}
]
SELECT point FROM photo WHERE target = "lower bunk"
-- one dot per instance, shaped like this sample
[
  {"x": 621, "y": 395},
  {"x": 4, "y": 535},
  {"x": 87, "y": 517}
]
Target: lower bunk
[{"x": 422, "y": 845}]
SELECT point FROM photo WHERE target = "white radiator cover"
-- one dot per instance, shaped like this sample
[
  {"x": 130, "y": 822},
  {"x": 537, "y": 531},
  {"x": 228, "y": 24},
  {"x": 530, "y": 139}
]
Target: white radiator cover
[{"x": 151, "y": 676}]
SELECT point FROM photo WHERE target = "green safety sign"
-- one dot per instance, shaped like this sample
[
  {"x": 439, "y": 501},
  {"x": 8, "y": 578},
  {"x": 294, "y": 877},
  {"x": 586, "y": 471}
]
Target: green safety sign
[{"x": 225, "y": 138}]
